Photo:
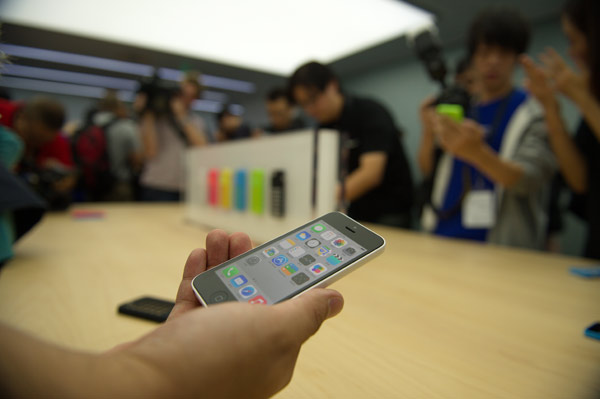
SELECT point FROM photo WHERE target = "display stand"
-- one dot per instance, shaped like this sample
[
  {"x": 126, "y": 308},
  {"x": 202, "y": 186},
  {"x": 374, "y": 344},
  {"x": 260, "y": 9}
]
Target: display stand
[{"x": 266, "y": 186}]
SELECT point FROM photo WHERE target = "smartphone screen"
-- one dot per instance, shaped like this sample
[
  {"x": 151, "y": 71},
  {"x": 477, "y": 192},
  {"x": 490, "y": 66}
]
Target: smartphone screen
[{"x": 292, "y": 263}]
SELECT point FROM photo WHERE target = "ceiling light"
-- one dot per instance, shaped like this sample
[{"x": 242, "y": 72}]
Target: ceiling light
[
  {"x": 55, "y": 87},
  {"x": 130, "y": 68},
  {"x": 274, "y": 36},
  {"x": 70, "y": 77},
  {"x": 87, "y": 61}
]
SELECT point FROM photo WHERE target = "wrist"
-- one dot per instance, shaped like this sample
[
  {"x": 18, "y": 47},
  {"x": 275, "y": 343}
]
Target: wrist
[
  {"x": 428, "y": 137},
  {"x": 582, "y": 98},
  {"x": 551, "y": 106},
  {"x": 130, "y": 374},
  {"x": 479, "y": 156}
]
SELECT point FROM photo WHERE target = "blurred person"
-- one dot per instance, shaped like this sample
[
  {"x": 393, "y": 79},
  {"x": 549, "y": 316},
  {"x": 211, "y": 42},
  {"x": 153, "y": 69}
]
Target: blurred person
[
  {"x": 11, "y": 151},
  {"x": 578, "y": 157},
  {"x": 231, "y": 126},
  {"x": 281, "y": 112},
  {"x": 465, "y": 77},
  {"x": 492, "y": 182},
  {"x": 429, "y": 152},
  {"x": 47, "y": 164},
  {"x": 11, "y": 148},
  {"x": 165, "y": 136},
  {"x": 378, "y": 185},
  {"x": 123, "y": 145},
  {"x": 192, "y": 354},
  {"x": 20, "y": 208}
]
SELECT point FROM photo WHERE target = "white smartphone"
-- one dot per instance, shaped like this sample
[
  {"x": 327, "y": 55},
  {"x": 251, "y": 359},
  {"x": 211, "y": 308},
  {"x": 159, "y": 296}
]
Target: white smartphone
[{"x": 313, "y": 255}]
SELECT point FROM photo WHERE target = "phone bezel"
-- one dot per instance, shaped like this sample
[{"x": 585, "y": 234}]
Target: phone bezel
[{"x": 373, "y": 243}]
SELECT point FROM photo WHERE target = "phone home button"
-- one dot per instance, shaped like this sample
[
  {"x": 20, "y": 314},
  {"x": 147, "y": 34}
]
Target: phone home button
[{"x": 219, "y": 296}]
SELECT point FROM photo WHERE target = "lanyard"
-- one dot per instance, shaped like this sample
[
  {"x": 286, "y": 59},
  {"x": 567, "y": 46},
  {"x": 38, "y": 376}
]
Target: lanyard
[{"x": 498, "y": 116}]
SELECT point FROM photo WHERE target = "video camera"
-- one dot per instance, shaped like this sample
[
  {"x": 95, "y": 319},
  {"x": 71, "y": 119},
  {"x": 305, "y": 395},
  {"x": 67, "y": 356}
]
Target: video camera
[
  {"x": 429, "y": 51},
  {"x": 158, "y": 95}
]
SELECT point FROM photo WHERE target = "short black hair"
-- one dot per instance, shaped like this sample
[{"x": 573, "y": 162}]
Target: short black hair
[
  {"x": 462, "y": 65},
  {"x": 584, "y": 15},
  {"x": 277, "y": 93},
  {"x": 224, "y": 112},
  {"x": 501, "y": 26},
  {"x": 47, "y": 111},
  {"x": 312, "y": 74}
]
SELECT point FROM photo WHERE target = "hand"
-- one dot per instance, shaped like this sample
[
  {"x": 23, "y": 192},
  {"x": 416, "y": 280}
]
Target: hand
[
  {"x": 198, "y": 350},
  {"x": 538, "y": 84},
  {"x": 178, "y": 108},
  {"x": 219, "y": 248},
  {"x": 230, "y": 350},
  {"x": 463, "y": 140},
  {"x": 565, "y": 80},
  {"x": 427, "y": 114}
]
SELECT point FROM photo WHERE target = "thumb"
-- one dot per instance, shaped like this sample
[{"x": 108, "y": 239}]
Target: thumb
[{"x": 305, "y": 314}]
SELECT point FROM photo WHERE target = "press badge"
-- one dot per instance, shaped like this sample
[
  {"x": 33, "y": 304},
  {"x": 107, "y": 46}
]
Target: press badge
[{"x": 479, "y": 209}]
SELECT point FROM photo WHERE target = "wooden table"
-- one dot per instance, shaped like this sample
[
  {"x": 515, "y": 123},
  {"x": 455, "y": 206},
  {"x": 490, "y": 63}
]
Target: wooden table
[{"x": 430, "y": 318}]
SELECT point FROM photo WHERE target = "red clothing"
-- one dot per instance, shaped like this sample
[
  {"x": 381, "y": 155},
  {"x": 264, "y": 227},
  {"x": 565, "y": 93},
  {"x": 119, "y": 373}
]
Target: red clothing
[
  {"x": 58, "y": 149},
  {"x": 8, "y": 109}
]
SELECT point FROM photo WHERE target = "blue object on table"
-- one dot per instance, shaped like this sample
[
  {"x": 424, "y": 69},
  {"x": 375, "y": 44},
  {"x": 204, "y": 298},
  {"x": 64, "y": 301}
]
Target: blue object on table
[
  {"x": 586, "y": 272},
  {"x": 593, "y": 331}
]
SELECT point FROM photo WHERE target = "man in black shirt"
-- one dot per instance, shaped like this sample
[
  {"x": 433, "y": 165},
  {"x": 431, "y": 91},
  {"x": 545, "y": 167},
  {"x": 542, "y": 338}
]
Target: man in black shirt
[{"x": 379, "y": 183}]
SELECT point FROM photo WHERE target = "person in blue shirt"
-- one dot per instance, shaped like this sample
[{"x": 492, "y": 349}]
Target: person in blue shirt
[{"x": 492, "y": 182}]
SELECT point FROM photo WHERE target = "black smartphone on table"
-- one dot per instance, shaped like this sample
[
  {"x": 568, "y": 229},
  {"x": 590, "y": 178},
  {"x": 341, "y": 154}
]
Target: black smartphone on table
[
  {"x": 313, "y": 255},
  {"x": 148, "y": 308}
]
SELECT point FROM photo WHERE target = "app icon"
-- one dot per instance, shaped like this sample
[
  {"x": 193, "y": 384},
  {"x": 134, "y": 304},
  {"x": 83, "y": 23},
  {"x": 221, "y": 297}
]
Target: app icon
[
  {"x": 239, "y": 281},
  {"x": 303, "y": 235},
  {"x": 349, "y": 251},
  {"x": 253, "y": 260},
  {"x": 279, "y": 260},
  {"x": 289, "y": 269},
  {"x": 317, "y": 228},
  {"x": 247, "y": 291},
  {"x": 324, "y": 250},
  {"x": 297, "y": 252},
  {"x": 300, "y": 278},
  {"x": 313, "y": 243},
  {"x": 339, "y": 242},
  {"x": 287, "y": 244},
  {"x": 269, "y": 252},
  {"x": 258, "y": 300},
  {"x": 334, "y": 259},
  {"x": 230, "y": 271},
  {"x": 317, "y": 269},
  {"x": 306, "y": 260},
  {"x": 328, "y": 235}
]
